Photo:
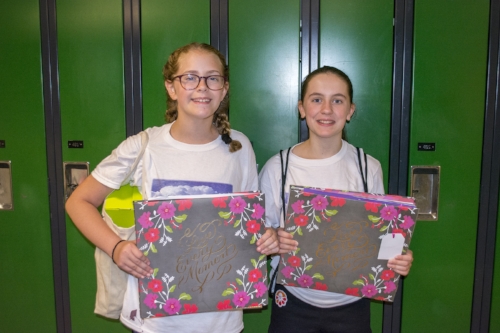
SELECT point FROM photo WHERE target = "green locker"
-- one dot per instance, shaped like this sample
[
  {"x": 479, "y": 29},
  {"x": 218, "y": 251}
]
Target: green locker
[
  {"x": 26, "y": 271},
  {"x": 448, "y": 109},
  {"x": 90, "y": 41},
  {"x": 495, "y": 295},
  {"x": 357, "y": 37}
]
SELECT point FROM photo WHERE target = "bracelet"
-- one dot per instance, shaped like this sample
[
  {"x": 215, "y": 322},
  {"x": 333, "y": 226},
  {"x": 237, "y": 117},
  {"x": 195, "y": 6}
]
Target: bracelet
[{"x": 113, "y": 252}]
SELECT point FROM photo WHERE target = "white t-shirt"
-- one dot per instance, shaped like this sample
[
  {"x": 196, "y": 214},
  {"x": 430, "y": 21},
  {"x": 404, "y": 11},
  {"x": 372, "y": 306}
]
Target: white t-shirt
[
  {"x": 171, "y": 167},
  {"x": 340, "y": 172}
]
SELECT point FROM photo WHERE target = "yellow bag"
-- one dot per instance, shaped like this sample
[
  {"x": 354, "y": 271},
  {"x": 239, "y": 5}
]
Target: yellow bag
[{"x": 118, "y": 213}]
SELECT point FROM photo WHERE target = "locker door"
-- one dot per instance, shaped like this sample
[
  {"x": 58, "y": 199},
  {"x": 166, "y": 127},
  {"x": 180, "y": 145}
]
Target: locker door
[
  {"x": 90, "y": 40},
  {"x": 450, "y": 62},
  {"x": 26, "y": 272},
  {"x": 264, "y": 79},
  {"x": 495, "y": 297},
  {"x": 166, "y": 26},
  {"x": 357, "y": 37},
  {"x": 264, "y": 73}
]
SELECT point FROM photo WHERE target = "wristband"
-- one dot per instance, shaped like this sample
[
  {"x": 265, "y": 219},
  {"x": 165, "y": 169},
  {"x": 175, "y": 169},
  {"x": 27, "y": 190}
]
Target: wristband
[{"x": 113, "y": 252}]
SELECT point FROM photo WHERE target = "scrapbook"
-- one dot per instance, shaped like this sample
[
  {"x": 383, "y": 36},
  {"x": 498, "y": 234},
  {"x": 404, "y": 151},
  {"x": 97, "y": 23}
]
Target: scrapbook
[
  {"x": 203, "y": 252},
  {"x": 345, "y": 240}
]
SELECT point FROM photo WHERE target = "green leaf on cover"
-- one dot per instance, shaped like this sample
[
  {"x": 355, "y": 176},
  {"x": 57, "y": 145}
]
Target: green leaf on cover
[
  {"x": 225, "y": 215},
  {"x": 371, "y": 277},
  {"x": 228, "y": 291},
  {"x": 374, "y": 219},
  {"x": 153, "y": 248},
  {"x": 155, "y": 271},
  {"x": 318, "y": 276},
  {"x": 331, "y": 212},
  {"x": 384, "y": 228},
  {"x": 146, "y": 253},
  {"x": 309, "y": 267},
  {"x": 316, "y": 217},
  {"x": 299, "y": 231},
  {"x": 169, "y": 229},
  {"x": 180, "y": 218},
  {"x": 254, "y": 262},
  {"x": 239, "y": 281},
  {"x": 171, "y": 290},
  {"x": 185, "y": 296},
  {"x": 237, "y": 223},
  {"x": 253, "y": 240},
  {"x": 262, "y": 257},
  {"x": 358, "y": 283}
]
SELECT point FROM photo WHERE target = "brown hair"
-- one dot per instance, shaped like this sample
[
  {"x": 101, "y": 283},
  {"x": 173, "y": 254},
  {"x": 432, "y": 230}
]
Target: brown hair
[{"x": 220, "y": 120}]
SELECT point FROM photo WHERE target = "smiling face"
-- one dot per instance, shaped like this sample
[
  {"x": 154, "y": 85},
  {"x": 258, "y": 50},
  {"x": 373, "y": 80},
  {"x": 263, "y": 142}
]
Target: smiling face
[
  {"x": 326, "y": 106},
  {"x": 200, "y": 103}
]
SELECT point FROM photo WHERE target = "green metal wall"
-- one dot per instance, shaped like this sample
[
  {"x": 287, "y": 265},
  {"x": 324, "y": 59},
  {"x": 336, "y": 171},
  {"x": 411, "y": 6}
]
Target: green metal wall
[
  {"x": 450, "y": 63},
  {"x": 90, "y": 38},
  {"x": 26, "y": 282}
]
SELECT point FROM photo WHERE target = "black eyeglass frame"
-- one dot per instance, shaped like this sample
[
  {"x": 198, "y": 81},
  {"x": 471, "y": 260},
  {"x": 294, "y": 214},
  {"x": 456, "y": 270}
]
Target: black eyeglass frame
[{"x": 199, "y": 80}]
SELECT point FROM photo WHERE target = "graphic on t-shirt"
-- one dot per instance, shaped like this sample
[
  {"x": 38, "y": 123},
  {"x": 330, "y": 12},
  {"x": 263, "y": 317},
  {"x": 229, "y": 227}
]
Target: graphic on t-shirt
[{"x": 167, "y": 187}]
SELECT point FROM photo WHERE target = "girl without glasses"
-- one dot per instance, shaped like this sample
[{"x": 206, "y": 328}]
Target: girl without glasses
[{"x": 324, "y": 160}]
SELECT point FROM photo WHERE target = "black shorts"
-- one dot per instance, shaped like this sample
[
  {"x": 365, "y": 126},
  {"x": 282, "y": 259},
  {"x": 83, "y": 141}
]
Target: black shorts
[{"x": 289, "y": 315}]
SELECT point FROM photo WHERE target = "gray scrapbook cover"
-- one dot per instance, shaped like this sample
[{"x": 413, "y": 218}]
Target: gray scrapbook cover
[
  {"x": 203, "y": 253},
  {"x": 345, "y": 240}
]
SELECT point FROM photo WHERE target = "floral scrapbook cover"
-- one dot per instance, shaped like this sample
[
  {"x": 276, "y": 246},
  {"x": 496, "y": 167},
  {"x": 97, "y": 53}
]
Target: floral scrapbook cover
[
  {"x": 203, "y": 253},
  {"x": 345, "y": 240}
]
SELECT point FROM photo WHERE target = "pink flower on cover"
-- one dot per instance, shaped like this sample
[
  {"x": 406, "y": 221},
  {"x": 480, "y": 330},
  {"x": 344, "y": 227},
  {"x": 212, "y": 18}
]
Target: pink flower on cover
[
  {"x": 258, "y": 211},
  {"x": 253, "y": 227},
  {"x": 294, "y": 261},
  {"x": 320, "y": 286},
  {"x": 224, "y": 305},
  {"x": 152, "y": 235},
  {"x": 319, "y": 202},
  {"x": 260, "y": 288},
  {"x": 155, "y": 285},
  {"x": 254, "y": 275},
  {"x": 337, "y": 201},
  {"x": 388, "y": 213},
  {"x": 389, "y": 287},
  {"x": 241, "y": 298},
  {"x": 407, "y": 222},
  {"x": 237, "y": 205},
  {"x": 184, "y": 204},
  {"x": 166, "y": 210},
  {"x": 369, "y": 290},
  {"x": 172, "y": 306},
  {"x": 352, "y": 292},
  {"x": 300, "y": 220},
  {"x": 287, "y": 271},
  {"x": 372, "y": 207},
  {"x": 190, "y": 308},
  {"x": 150, "y": 300},
  {"x": 220, "y": 202},
  {"x": 305, "y": 280},
  {"x": 297, "y": 207},
  {"x": 145, "y": 221},
  {"x": 387, "y": 274}
]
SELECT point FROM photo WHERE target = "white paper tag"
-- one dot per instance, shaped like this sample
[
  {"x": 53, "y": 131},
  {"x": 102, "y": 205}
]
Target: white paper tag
[{"x": 391, "y": 246}]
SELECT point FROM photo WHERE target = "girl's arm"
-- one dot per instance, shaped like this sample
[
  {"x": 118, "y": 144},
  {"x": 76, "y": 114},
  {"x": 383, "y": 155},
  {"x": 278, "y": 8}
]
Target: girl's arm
[{"x": 82, "y": 208}]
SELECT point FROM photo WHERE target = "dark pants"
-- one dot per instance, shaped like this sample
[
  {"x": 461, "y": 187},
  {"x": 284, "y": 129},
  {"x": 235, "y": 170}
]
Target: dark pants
[{"x": 300, "y": 317}]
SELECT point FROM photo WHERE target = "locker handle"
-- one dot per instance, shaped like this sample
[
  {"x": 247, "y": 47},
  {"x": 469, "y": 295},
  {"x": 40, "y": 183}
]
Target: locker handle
[
  {"x": 74, "y": 174},
  {"x": 425, "y": 189}
]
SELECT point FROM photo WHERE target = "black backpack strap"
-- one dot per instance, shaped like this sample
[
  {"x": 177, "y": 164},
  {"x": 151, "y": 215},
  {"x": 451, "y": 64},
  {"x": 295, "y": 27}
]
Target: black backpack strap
[
  {"x": 365, "y": 175},
  {"x": 284, "y": 170}
]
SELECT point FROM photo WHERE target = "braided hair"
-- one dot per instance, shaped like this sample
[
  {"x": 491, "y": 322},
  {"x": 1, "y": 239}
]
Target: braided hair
[{"x": 220, "y": 120}]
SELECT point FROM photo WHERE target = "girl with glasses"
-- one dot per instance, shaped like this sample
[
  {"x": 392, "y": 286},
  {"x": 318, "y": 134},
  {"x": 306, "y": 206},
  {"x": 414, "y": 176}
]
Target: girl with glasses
[
  {"x": 324, "y": 160},
  {"x": 195, "y": 149}
]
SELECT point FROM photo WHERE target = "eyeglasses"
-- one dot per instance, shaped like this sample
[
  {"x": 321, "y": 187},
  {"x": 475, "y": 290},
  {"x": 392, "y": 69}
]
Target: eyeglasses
[{"x": 192, "y": 81}]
